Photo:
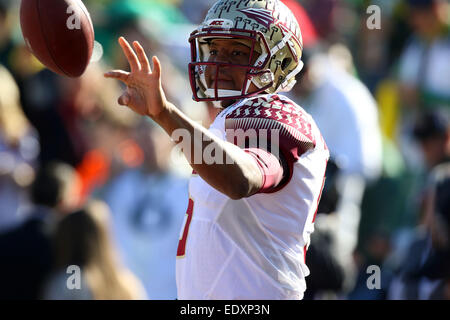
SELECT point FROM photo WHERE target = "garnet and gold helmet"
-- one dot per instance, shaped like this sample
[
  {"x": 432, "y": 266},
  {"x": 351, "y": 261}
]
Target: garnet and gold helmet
[{"x": 275, "y": 39}]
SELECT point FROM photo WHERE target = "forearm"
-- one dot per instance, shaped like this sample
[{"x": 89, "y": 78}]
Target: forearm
[{"x": 236, "y": 174}]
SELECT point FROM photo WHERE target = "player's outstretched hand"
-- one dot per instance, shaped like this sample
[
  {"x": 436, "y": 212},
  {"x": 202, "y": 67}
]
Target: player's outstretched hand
[{"x": 144, "y": 93}]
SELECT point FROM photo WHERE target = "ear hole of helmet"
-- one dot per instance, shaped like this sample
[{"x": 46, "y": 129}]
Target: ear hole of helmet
[{"x": 285, "y": 63}]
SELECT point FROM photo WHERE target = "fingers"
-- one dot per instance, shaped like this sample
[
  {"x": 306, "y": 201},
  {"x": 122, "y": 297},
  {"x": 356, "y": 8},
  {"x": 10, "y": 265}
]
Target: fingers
[
  {"x": 131, "y": 56},
  {"x": 156, "y": 67},
  {"x": 145, "y": 64},
  {"x": 119, "y": 75}
]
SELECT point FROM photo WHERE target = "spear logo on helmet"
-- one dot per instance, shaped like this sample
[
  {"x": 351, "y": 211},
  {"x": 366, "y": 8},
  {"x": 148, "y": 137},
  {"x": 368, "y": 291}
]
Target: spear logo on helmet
[{"x": 261, "y": 16}]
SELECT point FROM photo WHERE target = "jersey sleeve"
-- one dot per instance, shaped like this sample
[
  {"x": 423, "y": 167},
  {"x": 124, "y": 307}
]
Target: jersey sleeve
[{"x": 271, "y": 169}]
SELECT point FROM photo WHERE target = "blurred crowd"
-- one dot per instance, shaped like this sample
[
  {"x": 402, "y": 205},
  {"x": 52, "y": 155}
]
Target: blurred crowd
[{"x": 85, "y": 182}]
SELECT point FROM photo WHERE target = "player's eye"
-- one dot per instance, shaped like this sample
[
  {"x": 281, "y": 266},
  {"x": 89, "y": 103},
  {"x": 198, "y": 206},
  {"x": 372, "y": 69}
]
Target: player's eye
[
  {"x": 237, "y": 53},
  {"x": 213, "y": 52}
]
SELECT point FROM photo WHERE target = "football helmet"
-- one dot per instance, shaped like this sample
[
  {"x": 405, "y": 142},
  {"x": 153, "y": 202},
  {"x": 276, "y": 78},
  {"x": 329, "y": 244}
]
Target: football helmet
[{"x": 273, "y": 35}]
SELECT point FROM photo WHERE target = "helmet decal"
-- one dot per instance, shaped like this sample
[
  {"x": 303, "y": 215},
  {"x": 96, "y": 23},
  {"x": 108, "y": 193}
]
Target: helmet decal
[
  {"x": 222, "y": 23},
  {"x": 261, "y": 16}
]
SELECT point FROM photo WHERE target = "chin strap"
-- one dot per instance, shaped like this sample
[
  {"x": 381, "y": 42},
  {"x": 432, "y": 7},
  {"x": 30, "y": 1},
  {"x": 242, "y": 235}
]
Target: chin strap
[
  {"x": 217, "y": 104},
  {"x": 222, "y": 93}
]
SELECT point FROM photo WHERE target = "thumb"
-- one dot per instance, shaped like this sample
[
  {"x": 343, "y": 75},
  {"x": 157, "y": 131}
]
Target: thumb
[{"x": 124, "y": 99}]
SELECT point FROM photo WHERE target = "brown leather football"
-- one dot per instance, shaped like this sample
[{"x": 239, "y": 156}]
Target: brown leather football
[{"x": 59, "y": 33}]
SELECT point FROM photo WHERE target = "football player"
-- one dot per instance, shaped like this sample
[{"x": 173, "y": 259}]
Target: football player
[{"x": 249, "y": 218}]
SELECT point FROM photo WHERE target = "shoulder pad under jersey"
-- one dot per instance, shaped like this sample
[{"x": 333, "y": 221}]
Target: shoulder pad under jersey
[{"x": 274, "y": 112}]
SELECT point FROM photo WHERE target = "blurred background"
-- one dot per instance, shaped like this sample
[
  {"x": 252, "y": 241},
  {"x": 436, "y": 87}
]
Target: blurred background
[{"x": 85, "y": 182}]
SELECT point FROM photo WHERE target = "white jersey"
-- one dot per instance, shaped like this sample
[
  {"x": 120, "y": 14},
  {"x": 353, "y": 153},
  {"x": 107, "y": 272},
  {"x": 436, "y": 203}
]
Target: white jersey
[{"x": 254, "y": 248}]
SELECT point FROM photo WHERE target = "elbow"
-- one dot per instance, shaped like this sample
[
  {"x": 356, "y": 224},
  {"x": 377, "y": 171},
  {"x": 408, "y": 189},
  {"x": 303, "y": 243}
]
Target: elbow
[
  {"x": 240, "y": 190},
  {"x": 237, "y": 192},
  {"x": 235, "y": 197},
  {"x": 247, "y": 182}
]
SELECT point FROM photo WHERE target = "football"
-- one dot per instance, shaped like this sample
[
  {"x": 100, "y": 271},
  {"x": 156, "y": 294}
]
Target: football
[{"x": 59, "y": 33}]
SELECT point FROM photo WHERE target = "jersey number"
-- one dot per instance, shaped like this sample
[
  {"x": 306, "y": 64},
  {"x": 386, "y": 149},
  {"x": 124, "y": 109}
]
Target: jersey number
[{"x": 185, "y": 230}]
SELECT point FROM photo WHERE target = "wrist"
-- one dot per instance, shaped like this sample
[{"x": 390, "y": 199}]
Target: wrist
[{"x": 164, "y": 115}]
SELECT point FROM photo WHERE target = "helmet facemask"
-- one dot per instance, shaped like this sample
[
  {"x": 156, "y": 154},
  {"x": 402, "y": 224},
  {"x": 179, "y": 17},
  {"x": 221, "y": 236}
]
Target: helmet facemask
[{"x": 205, "y": 73}]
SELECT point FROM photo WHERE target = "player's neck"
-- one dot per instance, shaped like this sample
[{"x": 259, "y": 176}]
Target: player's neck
[{"x": 227, "y": 103}]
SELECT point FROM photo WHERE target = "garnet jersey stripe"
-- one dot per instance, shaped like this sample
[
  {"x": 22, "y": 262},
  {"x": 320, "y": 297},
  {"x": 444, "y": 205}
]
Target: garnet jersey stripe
[{"x": 181, "y": 251}]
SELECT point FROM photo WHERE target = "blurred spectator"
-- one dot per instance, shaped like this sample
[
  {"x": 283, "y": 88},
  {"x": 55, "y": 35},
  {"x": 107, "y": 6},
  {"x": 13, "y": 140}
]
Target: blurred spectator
[
  {"x": 19, "y": 149},
  {"x": 25, "y": 252},
  {"x": 344, "y": 110},
  {"x": 437, "y": 218},
  {"x": 148, "y": 206},
  {"x": 57, "y": 186},
  {"x": 82, "y": 239},
  {"x": 41, "y": 98},
  {"x": 425, "y": 58},
  {"x": 432, "y": 130},
  {"x": 326, "y": 279},
  {"x": 377, "y": 249},
  {"x": 347, "y": 116},
  {"x": 424, "y": 272},
  {"x": 411, "y": 245},
  {"x": 422, "y": 64},
  {"x": 108, "y": 131},
  {"x": 377, "y": 49}
]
